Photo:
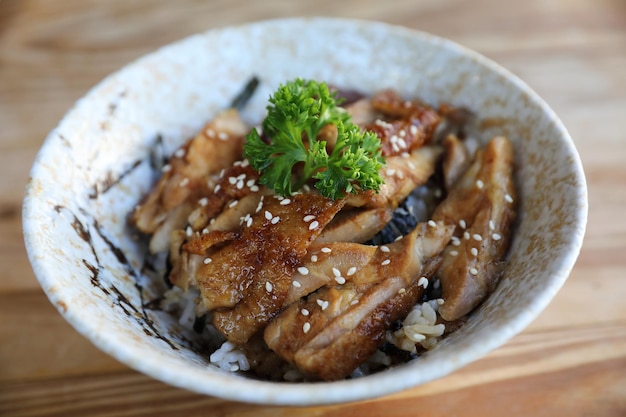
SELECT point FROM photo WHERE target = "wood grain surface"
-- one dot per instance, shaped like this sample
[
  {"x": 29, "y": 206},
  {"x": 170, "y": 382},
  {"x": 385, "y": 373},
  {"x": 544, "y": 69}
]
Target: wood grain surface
[{"x": 571, "y": 361}]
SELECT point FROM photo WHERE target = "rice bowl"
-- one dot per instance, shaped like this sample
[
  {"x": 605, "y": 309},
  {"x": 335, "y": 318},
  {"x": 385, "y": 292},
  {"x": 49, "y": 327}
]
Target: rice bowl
[{"x": 96, "y": 163}]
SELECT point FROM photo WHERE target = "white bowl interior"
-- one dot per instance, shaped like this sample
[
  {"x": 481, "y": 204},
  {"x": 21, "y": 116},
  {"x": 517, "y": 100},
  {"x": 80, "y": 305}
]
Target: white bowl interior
[{"x": 94, "y": 167}]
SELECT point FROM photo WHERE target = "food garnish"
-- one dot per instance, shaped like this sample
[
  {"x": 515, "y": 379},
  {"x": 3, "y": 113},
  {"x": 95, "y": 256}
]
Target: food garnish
[{"x": 289, "y": 151}]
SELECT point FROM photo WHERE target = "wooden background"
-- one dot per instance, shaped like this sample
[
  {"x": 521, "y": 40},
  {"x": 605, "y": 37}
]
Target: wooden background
[{"x": 570, "y": 362}]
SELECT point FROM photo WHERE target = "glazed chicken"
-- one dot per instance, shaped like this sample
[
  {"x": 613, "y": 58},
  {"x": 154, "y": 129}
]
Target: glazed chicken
[
  {"x": 301, "y": 272},
  {"x": 333, "y": 330},
  {"x": 483, "y": 204}
]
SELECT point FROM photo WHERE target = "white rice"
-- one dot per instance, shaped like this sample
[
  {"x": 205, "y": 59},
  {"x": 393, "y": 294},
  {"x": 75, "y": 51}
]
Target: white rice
[{"x": 419, "y": 327}]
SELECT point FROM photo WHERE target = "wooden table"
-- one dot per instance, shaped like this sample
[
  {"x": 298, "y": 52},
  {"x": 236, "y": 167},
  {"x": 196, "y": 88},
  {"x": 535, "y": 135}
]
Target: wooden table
[{"x": 570, "y": 362}]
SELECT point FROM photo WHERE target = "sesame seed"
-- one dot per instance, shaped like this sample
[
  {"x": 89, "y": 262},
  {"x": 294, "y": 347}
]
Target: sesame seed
[
  {"x": 234, "y": 367},
  {"x": 411, "y": 165},
  {"x": 268, "y": 215},
  {"x": 241, "y": 176},
  {"x": 385, "y": 262},
  {"x": 254, "y": 188},
  {"x": 251, "y": 182},
  {"x": 249, "y": 222},
  {"x": 423, "y": 282},
  {"x": 189, "y": 231},
  {"x": 398, "y": 238},
  {"x": 353, "y": 302},
  {"x": 395, "y": 147},
  {"x": 462, "y": 224},
  {"x": 207, "y": 261},
  {"x": 285, "y": 202},
  {"x": 401, "y": 290},
  {"x": 222, "y": 172},
  {"x": 268, "y": 286},
  {"x": 304, "y": 312},
  {"x": 351, "y": 271},
  {"x": 390, "y": 172},
  {"x": 336, "y": 272},
  {"x": 245, "y": 163},
  {"x": 233, "y": 203},
  {"x": 179, "y": 153},
  {"x": 323, "y": 304},
  {"x": 217, "y": 188},
  {"x": 326, "y": 250},
  {"x": 313, "y": 258},
  {"x": 413, "y": 130},
  {"x": 431, "y": 223},
  {"x": 296, "y": 284},
  {"x": 492, "y": 225},
  {"x": 480, "y": 184},
  {"x": 203, "y": 201},
  {"x": 303, "y": 270},
  {"x": 240, "y": 184},
  {"x": 508, "y": 198},
  {"x": 384, "y": 248},
  {"x": 340, "y": 280},
  {"x": 454, "y": 253},
  {"x": 473, "y": 271},
  {"x": 275, "y": 220},
  {"x": 205, "y": 231},
  {"x": 466, "y": 235},
  {"x": 400, "y": 175},
  {"x": 474, "y": 251},
  {"x": 402, "y": 143},
  {"x": 260, "y": 205},
  {"x": 440, "y": 301},
  {"x": 306, "y": 327},
  {"x": 232, "y": 180},
  {"x": 210, "y": 132},
  {"x": 184, "y": 182},
  {"x": 166, "y": 168},
  {"x": 477, "y": 237},
  {"x": 496, "y": 236},
  {"x": 308, "y": 218},
  {"x": 222, "y": 136},
  {"x": 405, "y": 155},
  {"x": 402, "y": 133},
  {"x": 314, "y": 224}
]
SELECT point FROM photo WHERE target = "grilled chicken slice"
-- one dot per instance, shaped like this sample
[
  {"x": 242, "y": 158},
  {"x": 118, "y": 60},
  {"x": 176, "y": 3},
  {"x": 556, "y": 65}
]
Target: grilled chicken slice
[
  {"x": 335, "y": 329},
  {"x": 246, "y": 281},
  {"x": 222, "y": 210},
  {"x": 184, "y": 180},
  {"x": 402, "y": 174},
  {"x": 356, "y": 225},
  {"x": 483, "y": 204},
  {"x": 455, "y": 161},
  {"x": 408, "y": 124}
]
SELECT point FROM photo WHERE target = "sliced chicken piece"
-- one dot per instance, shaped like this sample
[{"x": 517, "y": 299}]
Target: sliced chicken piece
[
  {"x": 232, "y": 184},
  {"x": 405, "y": 125},
  {"x": 402, "y": 174},
  {"x": 456, "y": 160},
  {"x": 231, "y": 203},
  {"x": 356, "y": 225},
  {"x": 483, "y": 203},
  {"x": 247, "y": 280},
  {"x": 335, "y": 329},
  {"x": 184, "y": 180},
  {"x": 328, "y": 263}
]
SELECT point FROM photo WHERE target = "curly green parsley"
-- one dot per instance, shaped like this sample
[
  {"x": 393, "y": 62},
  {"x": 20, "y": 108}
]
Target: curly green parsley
[{"x": 296, "y": 114}]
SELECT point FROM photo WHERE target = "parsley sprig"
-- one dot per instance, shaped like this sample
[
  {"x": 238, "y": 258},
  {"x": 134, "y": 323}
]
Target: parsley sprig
[{"x": 289, "y": 153}]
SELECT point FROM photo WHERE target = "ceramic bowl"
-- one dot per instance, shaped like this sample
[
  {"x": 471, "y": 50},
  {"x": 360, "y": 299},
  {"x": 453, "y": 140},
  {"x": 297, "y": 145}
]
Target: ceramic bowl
[{"x": 93, "y": 168}]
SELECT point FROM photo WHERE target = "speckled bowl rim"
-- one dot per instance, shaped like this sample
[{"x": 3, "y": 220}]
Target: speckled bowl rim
[{"x": 254, "y": 391}]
